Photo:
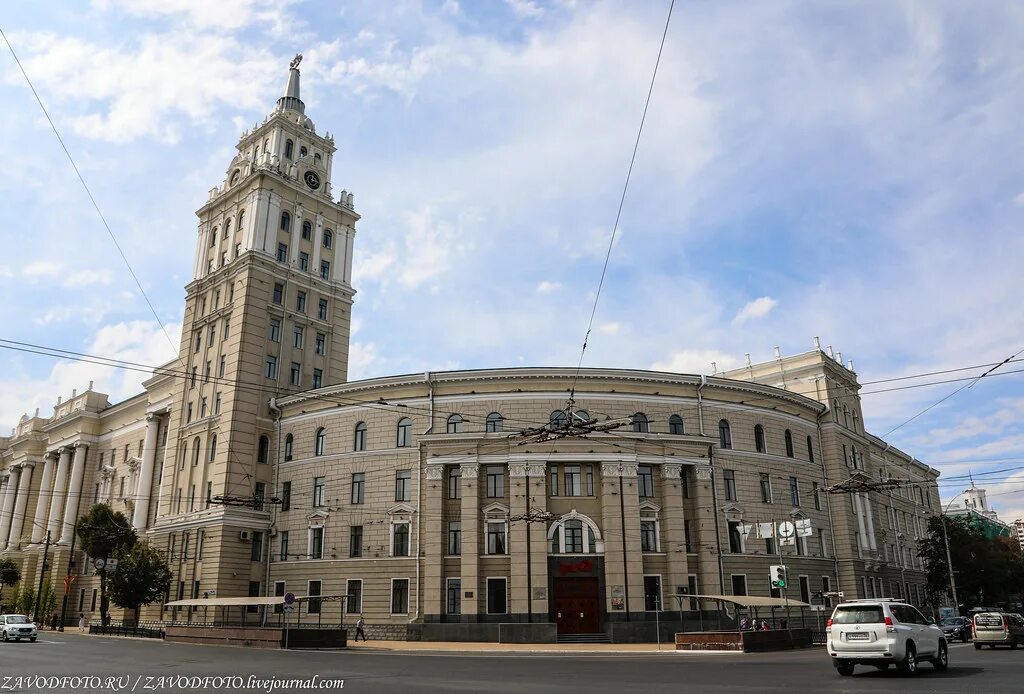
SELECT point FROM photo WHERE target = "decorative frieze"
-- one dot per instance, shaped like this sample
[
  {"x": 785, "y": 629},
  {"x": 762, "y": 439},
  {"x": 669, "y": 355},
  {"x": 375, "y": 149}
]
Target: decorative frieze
[{"x": 618, "y": 469}]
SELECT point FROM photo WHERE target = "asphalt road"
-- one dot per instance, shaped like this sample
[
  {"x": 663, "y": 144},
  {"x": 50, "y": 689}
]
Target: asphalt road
[{"x": 142, "y": 663}]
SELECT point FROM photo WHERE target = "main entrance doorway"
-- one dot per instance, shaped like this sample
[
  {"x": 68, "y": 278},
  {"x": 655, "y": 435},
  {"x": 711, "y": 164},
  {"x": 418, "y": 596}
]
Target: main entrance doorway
[{"x": 577, "y": 605}]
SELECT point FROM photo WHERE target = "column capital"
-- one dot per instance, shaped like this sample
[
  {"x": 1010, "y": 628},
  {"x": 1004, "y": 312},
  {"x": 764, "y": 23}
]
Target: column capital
[
  {"x": 52, "y": 456},
  {"x": 435, "y": 472},
  {"x": 671, "y": 471},
  {"x": 26, "y": 464},
  {"x": 618, "y": 469},
  {"x": 79, "y": 444},
  {"x": 703, "y": 472},
  {"x": 470, "y": 470}
]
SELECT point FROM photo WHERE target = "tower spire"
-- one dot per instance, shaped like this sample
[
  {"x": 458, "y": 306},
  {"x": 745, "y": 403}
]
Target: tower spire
[{"x": 291, "y": 100}]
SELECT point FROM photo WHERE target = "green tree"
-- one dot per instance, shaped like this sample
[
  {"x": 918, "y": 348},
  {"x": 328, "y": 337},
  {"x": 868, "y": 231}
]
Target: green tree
[
  {"x": 103, "y": 532},
  {"x": 10, "y": 574},
  {"x": 26, "y": 600},
  {"x": 142, "y": 576}
]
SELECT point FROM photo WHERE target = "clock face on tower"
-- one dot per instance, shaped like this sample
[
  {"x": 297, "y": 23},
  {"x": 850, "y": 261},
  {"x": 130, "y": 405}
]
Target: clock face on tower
[{"x": 312, "y": 180}]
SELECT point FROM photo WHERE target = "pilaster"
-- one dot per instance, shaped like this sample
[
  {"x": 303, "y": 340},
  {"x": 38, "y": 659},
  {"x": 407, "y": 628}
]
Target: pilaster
[{"x": 470, "y": 563}]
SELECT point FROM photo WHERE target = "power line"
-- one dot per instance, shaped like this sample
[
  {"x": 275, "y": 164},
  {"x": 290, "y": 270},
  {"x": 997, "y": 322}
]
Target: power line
[
  {"x": 936, "y": 383},
  {"x": 935, "y": 373},
  {"x": 622, "y": 201},
  {"x": 88, "y": 191}
]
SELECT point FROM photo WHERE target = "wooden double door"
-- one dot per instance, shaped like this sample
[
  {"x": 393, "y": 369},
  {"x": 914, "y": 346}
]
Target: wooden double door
[{"x": 577, "y": 605}]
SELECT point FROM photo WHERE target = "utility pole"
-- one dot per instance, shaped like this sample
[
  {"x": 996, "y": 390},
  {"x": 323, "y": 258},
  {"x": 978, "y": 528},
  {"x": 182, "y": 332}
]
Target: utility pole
[
  {"x": 42, "y": 574},
  {"x": 949, "y": 565}
]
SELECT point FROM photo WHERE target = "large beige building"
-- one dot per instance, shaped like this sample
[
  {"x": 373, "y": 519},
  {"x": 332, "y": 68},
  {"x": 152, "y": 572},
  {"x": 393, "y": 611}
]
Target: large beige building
[{"x": 260, "y": 470}]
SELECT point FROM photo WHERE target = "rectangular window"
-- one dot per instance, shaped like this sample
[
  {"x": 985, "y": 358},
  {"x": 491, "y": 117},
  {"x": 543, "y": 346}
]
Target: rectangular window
[
  {"x": 497, "y": 596},
  {"x": 590, "y": 480},
  {"x": 496, "y": 538},
  {"x": 318, "y": 492},
  {"x": 300, "y": 302},
  {"x": 321, "y": 343},
  {"x": 318, "y": 378},
  {"x": 325, "y": 269},
  {"x": 227, "y": 328},
  {"x": 286, "y": 496},
  {"x": 282, "y": 252},
  {"x": 794, "y": 491},
  {"x": 454, "y": 482},
  {"x": 685, "y": 478},
  {"x": 687, "y": 536},
  {"x": 729, "y": 476},
  {"x": 315, "y": 590},
  {"x": 821, "y": 542},
  {"x": 278, "y": 293},
  {"x": 805, "y": 589},
  {"x": 769, "y": 545},
  {"x": 257, "y": 546},
  {"x": 209, "y": 494},
  {"x": 739, "y": 584},
  {"x": 553, "y": 470},
  {"x": 495, "y": 481},
  {"x": 283, "y": 545},
  {"x": 400, "y": 539},
  {"x": 735, "y": 538},
  {"x": 403, "y": 485},
  {"x": 453, "y": 601},
  {"x": 691, "y": 584},
  {"x": 648, "y": 536},
  {"x": 652, "y": 593},
  {"x": 322, "y": 310},
  {"x": 454, "y": 538},
  {"x": 211, "y": 335},
  {"x": 279, "y": 591},
  {"x": 358, "y": 480},
  {"x": 399, "y": 596},
  {"x": 271, "y": 371},
  {"x": 766, "y": 488},
  {"x": 222, "y": 367},
  {"x": 297, "y": 337},
  {"x": 202, "y": 406},
  {"x": 303, "y": 261},
  {"x": 216, "y": 404},
  {"x": 645, "y": 480},
  {"x": 355, "y": 541},
  {"x": 316, "y": 543},
  {"x": 573, "y": 480},
  {"x": 817, "y": 496},
  {"x": 354, "y": 592},
  {"x": 295, "y": 373}
]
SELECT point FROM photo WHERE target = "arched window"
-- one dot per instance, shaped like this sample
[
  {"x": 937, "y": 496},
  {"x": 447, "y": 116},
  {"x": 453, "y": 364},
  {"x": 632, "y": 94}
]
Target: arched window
[
  {"x": 855, "y": 422},
  {"x": 307, "y": 230},
  {"x": 320, "y": 442},
  {"x": 213, "y": 447},
  {"x": 303, "y": 152},
  {"x": 197, "y": 447},
  {"x": 404, "y": 432},
  {"x": 789, "y": 443},
  {"x": 289, "y": 149},
  {"x": 227, "y": 228},
  {"x": 557, "y": 419},
  {"x": 724, "y": 434},
  {"x": 286, "y": 221},
  {"x": 455, "y": 424},
  {"x": 810, "y": 450},
  {"x": 846, "y": 416},
  {"x": 316, "y": 157},
  {"x": 234, "y": 176},
  {"x": 289, "y": 444},
  {"x": 675, "y": 424},
  {"x": 641, "y": 423},
  {"x": 575, "y": 534},
  {"x": 241, "y": 220},
  {"x": 494, "y": 422},
  {"x": 359, "y": 439},
  {"x": 263, "y": 451},
  {"x": 759, "y": 443},
  {"x": 581, "y": 416},
  {"x": 328, "y": 238},
  {"x": 835, "y": 411}
]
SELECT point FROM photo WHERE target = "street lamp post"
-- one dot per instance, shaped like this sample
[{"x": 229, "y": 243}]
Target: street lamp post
[{"x": 949, "y": 557}]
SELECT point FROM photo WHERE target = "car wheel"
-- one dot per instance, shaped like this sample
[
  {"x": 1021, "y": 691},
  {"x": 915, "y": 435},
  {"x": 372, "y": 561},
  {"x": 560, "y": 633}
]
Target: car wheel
[
  {"x": 33, "y": 639},
  {"x": 908, "y": 666},
  {"x": 941, "y": 661},
  {"x": 977, "y": 646},
  {"x": 965, "y": 638},
  {"x": 5, "y": 636},
  {"x": 843, "y": 668}
]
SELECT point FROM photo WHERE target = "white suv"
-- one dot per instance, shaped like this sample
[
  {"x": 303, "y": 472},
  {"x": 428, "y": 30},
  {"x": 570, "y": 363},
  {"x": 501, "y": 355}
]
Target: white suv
[
  {"x": 16, "y": 627},
  {"x": 883, "y": 632}
]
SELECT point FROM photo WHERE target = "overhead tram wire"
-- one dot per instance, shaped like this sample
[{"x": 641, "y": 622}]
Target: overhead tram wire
[
  {"x": 937, "y": 373},
  {"x": 622, "y": 202},
  {"x": 88, "y": 192}
]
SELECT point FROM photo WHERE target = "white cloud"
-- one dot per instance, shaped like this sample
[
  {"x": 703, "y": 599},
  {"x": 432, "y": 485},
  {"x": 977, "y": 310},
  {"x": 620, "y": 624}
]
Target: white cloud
[
  {"x": 611, "y": 328},
  {"x": 450, "y": 7},
  {"x": 222, "y": 15},
  {"x": 758, "y": 308},
  {"x": 548, "y": 287},
  {"x": 42, "y": 269},
  {"x": 525, "y": 9},
  {"x": 695, "y": 361},
  {"x": 85, "y": 278}
]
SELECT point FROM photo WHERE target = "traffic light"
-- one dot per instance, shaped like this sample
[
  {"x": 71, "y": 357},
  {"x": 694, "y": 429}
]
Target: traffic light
[{"x": 777, "y": 575}]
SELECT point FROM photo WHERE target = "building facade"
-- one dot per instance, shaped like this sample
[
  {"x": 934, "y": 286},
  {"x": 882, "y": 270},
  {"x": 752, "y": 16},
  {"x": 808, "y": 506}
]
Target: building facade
[{"x": 260, "y": 469}]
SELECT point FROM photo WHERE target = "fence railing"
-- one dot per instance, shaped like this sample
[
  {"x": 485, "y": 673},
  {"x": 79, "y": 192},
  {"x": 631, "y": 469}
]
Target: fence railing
[{"x": 137, "y": 631}]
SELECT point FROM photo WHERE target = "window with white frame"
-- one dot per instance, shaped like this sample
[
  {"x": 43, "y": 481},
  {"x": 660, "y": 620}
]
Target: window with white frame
[
  {"x": 648, "y": 536},
  {"x": 453, "y": 599},
  {"x": 495, "y": 481},
  {"x": 497, "y": 534},
  {"x": 400, "y": 538},
  {"x": 575, "y": 534},
  {"x": 399, "y": 596},
  {"x": 316, "y": 542},
  {"x": 454, "y": 538},
  {"x": 354, "y": 591}
]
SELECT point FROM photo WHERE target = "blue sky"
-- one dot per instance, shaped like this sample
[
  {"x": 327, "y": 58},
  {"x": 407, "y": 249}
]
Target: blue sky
[{"x": 847, "y": 170}]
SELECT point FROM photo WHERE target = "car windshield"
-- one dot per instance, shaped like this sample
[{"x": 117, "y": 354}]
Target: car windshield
[
  {"x": 859, "y": 614},
  {"x": 952, "y": 621},
  {"x": 16, "y": 619}
]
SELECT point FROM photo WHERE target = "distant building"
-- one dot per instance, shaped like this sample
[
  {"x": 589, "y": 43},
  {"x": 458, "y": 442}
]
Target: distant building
[
  {"x": 976, "y": 509},
  {"x": 1018, "y": 527}
]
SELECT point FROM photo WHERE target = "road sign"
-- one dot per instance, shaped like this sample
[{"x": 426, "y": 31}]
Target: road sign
[
  {"x": 289, "y": 607},
  {"x": 787, "y": 529},
  {"x": 289, "y": 598},
  {"x": 111, "y": 563},
  {"x": 99, "y": 564}
]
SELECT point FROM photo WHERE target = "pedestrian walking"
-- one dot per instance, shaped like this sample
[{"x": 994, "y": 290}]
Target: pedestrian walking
[
  {"x": 745, "y": 624},
  {"x": 81, "y": 622},
  {"x": 359, "y": 628},
  {"x": 53, "y": 622}
]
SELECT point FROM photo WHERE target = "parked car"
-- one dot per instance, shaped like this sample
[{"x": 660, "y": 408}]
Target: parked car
[
  {"x": 958, "y": 628},
  {"x": 998, "y": 629},
  {"x": 881, "y": 633},
  {"x": 16, "y": 627}
]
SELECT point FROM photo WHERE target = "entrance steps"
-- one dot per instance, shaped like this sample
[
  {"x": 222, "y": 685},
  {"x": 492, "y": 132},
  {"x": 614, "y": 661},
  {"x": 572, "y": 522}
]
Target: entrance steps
[{"x": 584, "y": 638}]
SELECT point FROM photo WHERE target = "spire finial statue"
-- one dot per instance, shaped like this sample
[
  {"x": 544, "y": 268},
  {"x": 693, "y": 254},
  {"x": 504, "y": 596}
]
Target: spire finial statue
[{"x": 295, "y": 61}]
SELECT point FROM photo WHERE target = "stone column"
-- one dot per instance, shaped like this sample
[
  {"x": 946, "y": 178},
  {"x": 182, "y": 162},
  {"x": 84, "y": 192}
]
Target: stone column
[
  {"x": 704, "y": 535},
  {"x": 43, "y": 500},
  {"x": 10, "y": 492},
  {"x": 435, "y": 541},
  {"x": 673, "y": 535},
  {"x": 20, "y": 505},
  {"x": 59, "y": 492},
  {"x": 623, "y": 562},
  {"x": 143, "y": 490},
  {"x": 470, "y": 519},
  {"x": 74, "y": 493},
  {"x": 534, "y": 561}
]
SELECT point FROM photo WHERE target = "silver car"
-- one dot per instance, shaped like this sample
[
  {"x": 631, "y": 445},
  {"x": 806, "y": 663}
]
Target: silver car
[{"x": 881, "y": 633}]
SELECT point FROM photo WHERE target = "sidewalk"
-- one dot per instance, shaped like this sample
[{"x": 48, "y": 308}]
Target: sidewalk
[{"x": 491, "y": 647}]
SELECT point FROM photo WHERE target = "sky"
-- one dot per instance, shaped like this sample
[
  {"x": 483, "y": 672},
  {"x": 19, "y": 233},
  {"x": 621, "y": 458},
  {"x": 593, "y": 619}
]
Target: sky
[{"x": 844, "y": 170}]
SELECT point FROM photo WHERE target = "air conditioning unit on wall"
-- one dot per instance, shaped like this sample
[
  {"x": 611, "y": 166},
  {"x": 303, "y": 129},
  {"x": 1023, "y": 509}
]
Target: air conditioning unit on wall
[{"x": 244, "y": 535}]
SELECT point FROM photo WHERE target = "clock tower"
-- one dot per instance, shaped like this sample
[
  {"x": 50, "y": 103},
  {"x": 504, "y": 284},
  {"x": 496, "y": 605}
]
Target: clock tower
[{"x": 267, "y": 313}]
